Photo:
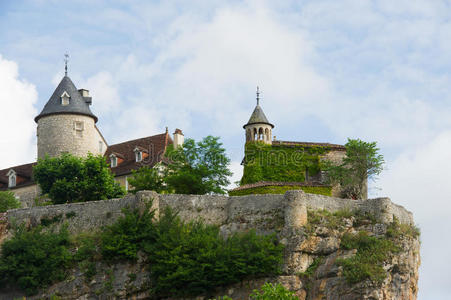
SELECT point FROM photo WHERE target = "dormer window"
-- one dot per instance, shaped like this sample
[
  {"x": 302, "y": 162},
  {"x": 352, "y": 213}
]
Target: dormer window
[
  {"x": 113, "y": 160},
  {"x": 65, "y": 99},
  {"x": 138, "y": 154},
  {"x": 12, "y": 178}
]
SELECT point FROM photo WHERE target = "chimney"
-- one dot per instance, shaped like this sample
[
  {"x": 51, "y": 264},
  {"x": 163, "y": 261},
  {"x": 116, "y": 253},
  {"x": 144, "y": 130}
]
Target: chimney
[
  {"x": 179, "y": 138},
  {"x": 85, "y": 94}
]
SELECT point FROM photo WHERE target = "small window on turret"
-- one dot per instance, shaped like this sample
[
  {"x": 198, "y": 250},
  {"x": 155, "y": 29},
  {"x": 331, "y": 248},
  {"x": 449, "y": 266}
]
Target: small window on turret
[
  {"x": 78, "y": 127},
  {"x": 65, "y": 99}
]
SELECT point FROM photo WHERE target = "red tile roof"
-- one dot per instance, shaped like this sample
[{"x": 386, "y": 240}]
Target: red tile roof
[
  {"x": 154, "y": 145},
  {"x": 24, "y": 171}
]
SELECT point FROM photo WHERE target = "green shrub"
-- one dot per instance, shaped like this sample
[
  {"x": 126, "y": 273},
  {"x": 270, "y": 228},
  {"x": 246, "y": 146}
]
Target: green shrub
[
  {"x": 367, "y": 263},
  {"x": 320, "y": 190},
  {"x": 271, "y": 291},
  {"x": 34, "y": 259},
  {"x": 396, "y": 229},
  {"x": 192, "y": 258},
  {"x": 8, "y": 201},
  {"x": 123, "y": 239}
]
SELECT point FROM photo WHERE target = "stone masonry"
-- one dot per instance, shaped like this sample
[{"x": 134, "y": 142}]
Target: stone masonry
[{"x": 286, "y": 215}]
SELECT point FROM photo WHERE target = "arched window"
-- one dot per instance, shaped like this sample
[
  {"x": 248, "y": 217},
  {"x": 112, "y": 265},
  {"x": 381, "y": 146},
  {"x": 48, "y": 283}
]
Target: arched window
[
  {"x": 255, "y": 134},
  {"x": 266, "y": 134},
  {"x": 260, "y": 134}
]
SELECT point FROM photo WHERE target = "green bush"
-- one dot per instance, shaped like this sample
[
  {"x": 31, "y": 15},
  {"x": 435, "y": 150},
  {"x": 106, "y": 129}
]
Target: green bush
[
  {"x": 123, "y": 239},
  {"x": 192, "y": 258},
  {"x": 367, "y": 263},
  {"x": 320, "y": 190},
  {"x": 271, "y": 291},
  {"x": 8, "y": 201},
  {"x": 396, "y": 230},
  {"x": 34, "y": 259},
  {"x": 69, "y": 179}
]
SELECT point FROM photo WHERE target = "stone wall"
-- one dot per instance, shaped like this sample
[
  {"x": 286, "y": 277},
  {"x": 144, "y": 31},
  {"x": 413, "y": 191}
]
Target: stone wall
[
  {"x": 57, "y": 134},
  {"x": 263, "y": 212},
  {"x": 286, "y": 215},
  {"x": 27, "y": 194}
]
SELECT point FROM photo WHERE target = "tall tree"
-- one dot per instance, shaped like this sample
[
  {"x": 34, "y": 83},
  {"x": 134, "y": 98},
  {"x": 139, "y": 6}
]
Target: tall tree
[
  {"x": 73, "y": 179},
  {"x": 361, "y": 163},
  {"x": 198, "y": 168}
]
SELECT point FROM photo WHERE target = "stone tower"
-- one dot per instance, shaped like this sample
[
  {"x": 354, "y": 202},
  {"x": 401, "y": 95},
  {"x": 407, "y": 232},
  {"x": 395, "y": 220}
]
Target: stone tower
[
  {"x": 258, "y": 127},
  {"x": 67, "y": 125}
]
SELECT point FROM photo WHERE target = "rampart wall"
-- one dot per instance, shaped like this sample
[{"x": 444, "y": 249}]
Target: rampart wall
[{"x": 263, "y": 212}]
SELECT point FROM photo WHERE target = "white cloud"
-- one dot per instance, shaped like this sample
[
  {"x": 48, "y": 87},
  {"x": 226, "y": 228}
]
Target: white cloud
[
  {"x": 419, "y": 180},
  {"x": 17, "y": 143},
  {"x": 104, "y": 92}
]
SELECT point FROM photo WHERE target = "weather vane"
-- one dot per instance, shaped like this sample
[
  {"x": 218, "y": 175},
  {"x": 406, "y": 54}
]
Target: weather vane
[
  {"x": 258, "y": 96},
  {"x": 66, "y": 59}
]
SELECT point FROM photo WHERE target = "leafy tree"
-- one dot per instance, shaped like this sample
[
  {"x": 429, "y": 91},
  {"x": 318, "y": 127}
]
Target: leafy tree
[
  {"x": 8, "y": 201},
  {"x": 198, "y": 168},
  {"x": 361, "y": 163},
  {"x": 147, "y": 178},
  {"x": 73, "y": 179}
]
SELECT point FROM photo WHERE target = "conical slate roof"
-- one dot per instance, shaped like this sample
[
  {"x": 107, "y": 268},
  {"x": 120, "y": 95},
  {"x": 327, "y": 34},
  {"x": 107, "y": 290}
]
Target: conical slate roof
[
  {"x": 258, "y": 117},
  {"x": 77, "y": 104}
]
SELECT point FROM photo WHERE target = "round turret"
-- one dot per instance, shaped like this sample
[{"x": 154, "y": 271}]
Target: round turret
[{"x": 67, "y": 125}]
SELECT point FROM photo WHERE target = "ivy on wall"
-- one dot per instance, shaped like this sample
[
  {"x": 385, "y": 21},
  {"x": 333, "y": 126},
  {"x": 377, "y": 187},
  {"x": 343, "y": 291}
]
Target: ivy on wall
[
  {"x": 282, "y": 163},
  {"x": 321, "y": 190}
]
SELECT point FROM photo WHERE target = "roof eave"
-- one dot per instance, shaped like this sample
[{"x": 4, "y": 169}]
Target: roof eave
[
  {"x": 36, "y": 119},
  {"x": 253, "y": 123}
]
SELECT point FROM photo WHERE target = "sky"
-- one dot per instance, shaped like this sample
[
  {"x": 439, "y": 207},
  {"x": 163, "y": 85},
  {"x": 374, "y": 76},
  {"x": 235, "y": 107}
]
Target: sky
[{"x": 328, "y": 70}]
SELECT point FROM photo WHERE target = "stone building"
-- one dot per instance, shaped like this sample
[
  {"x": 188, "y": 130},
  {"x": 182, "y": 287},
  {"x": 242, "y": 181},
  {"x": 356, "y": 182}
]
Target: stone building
[
  {"x": 66, "y": 124},
  {"x": 274, "y": 166}
]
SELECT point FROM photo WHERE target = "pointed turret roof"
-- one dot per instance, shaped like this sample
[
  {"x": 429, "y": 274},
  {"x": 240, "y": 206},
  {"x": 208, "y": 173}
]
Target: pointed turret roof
[
  {"x": 258, "y": 117},
  {"x": 77, "y": 103}
]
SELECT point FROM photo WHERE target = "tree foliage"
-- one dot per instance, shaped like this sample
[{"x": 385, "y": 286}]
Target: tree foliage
[
  {"x": 147, "y": 178},
  {"x": 188, "y": 259},
  {"x": 69, "y": 179},
  {"x": 8, "y": 201},
  {"x": 198, "y": 168},
  {"x": 33, "y": 259},
  {"x": 361, "y": 163}
]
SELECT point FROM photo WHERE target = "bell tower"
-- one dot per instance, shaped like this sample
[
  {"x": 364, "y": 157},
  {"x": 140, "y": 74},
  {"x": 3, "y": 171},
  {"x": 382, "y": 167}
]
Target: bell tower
[{"x": 258, "y": 128}]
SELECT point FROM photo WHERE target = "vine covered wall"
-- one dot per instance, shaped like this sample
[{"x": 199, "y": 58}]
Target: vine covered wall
[{"x": 281, "y": 163}]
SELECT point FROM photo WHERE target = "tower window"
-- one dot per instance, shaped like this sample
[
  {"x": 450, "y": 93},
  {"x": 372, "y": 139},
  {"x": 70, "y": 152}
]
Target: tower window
[
  {"x": 65, "y": 99},
  {"x": 78, "y": 127},
  {"x": 100, "y": 146}
]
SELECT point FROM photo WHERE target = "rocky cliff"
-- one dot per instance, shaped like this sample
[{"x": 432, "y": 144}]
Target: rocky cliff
[{"x": 334, "y": 248}]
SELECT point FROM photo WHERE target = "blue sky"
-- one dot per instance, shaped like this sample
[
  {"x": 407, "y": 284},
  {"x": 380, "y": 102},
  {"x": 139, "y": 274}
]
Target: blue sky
[{"x": 328, "y": 70}]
